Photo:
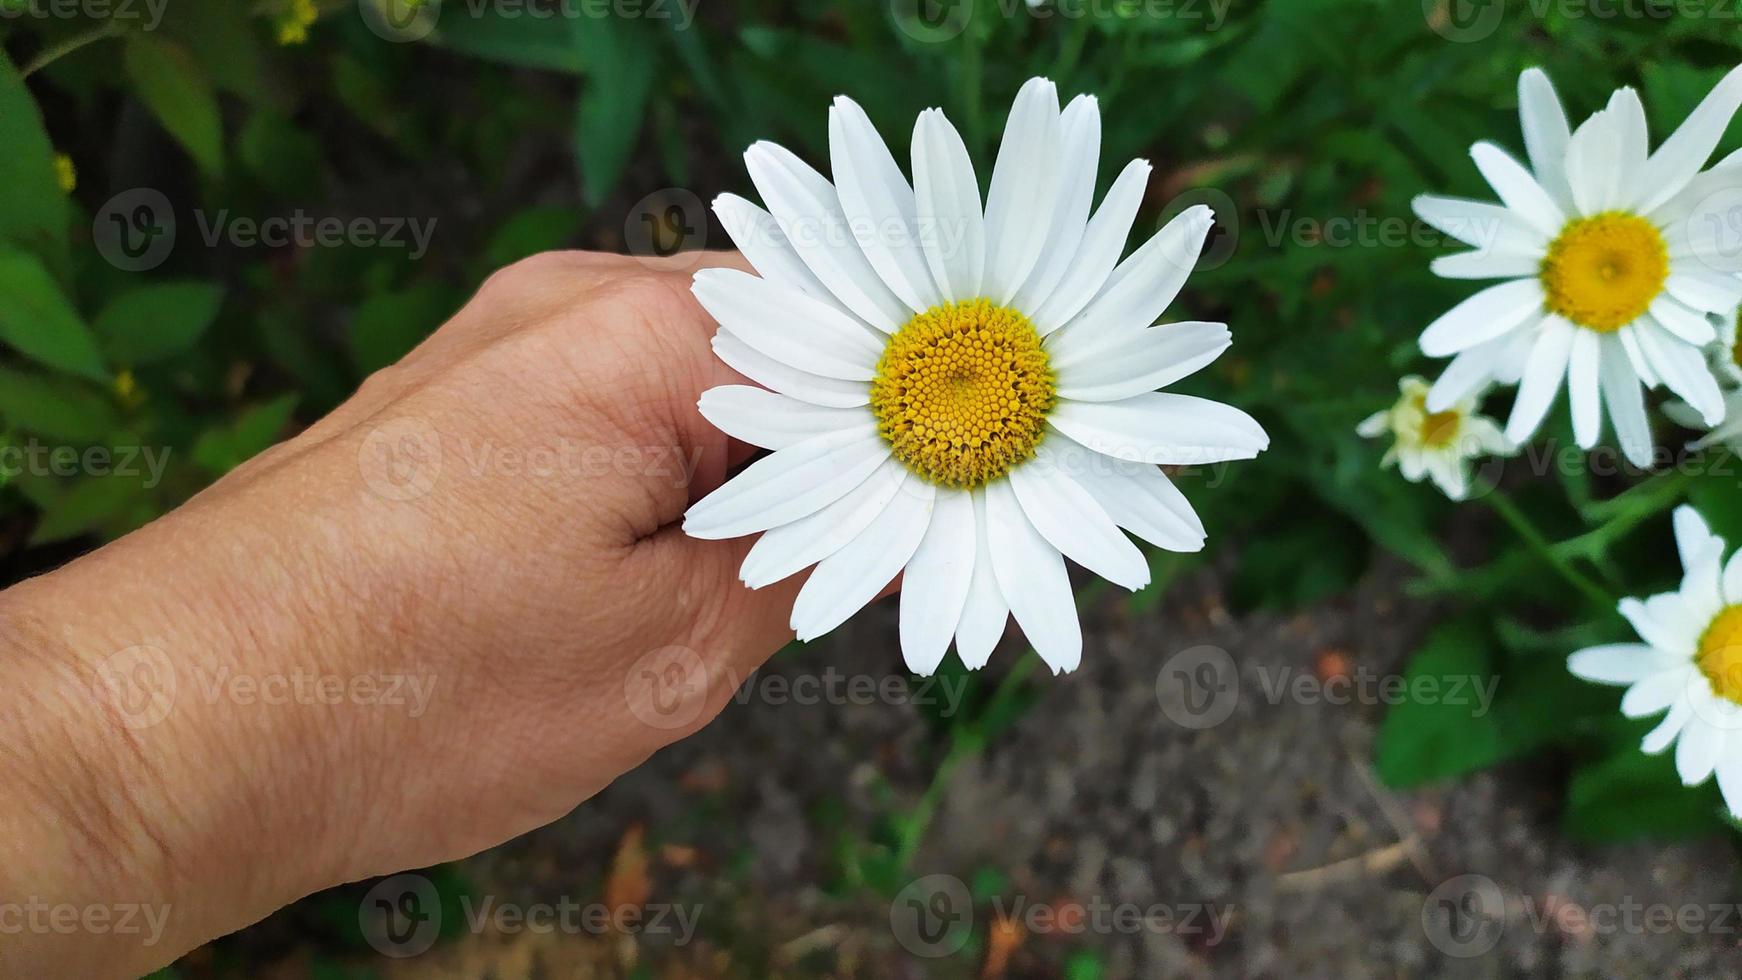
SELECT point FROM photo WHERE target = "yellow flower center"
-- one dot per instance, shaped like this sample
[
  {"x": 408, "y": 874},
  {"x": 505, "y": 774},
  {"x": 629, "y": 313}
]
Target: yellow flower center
[
  {"x": 1720, "y": 653},
  {"x": 1601, "y": 272},
  {"x": 962, "y": 392},
  {"x": 1435, "y": 430}
]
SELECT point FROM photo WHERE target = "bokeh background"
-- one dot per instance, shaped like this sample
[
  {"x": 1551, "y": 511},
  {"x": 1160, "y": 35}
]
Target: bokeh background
[{"x": 217, "y": 217}]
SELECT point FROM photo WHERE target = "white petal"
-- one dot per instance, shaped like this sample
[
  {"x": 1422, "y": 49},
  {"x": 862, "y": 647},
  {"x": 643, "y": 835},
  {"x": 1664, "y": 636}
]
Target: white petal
[
  {"x": 1593, "y": 164},
  {"x": 1633, "y": 144},
  {"x": 1703, "y": 289},
  {"x": 1693, "y": 536},
  {"x": 1162, "y": 428},
  {"x": 1733, "y": 579},
  {"x": 1626, "y": 403},
  {"x": 759, "y": 237},
  {"x": 985, "y": 612},
  {"x": 1545, "y": 133},
  {"x": 1683, "y": 369},
  {"x": 1068, "y": 517},
  {"x": 1518, "y": 189},
  {"x": 1137, "y": 496},
  {"x": 1660, "y": 738},
  {"x": 789, "y": 484},
  {"x": 1686, "y": 151},
  {"x": 804, "y": 203},
  {"x": 1031, "y": 575},
  {"x": 1542, "y": 377},
  {"x": 1485, "y": 265},
  {"x": 788, "y": 325},
  {"x": 1155, "y": 358},
  {"x": 1471, "y": 371},
  {"x": 772, "y": 421},
  {"x": 1081, "y": 128},
  {"x": 1675, "y": 316},
  {"x": 1668, "y": 636},
  {"x": 879, "y": 205},
  {"x": 1657, "y": 692},
  {"x": 1024, "y": 189},
  {"x": 951, "y": 225},
  {"x": 791, "y": 548},
  {"x": 1730, "y": 775},
  {"x": 1143, "y": 285},
  {"x": 934, "y": 588},
  {"x": 1583, "y": 364},
  {"x": 786, "y": 379},
  {"x": 1621, "y": 663},
  {"x": 1482, "y": 317},
  {"x": 1697, "y": 751},
  {"x": 845, "y": 581},
  {"x": 1701, "y": 596},
  {"x": 1491, "y": 228},
  {"x": 1103, "y": 243}
]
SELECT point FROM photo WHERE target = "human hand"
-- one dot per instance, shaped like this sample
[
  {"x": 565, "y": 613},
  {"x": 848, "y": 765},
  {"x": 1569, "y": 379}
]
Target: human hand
[{"x": 440, "y": 617}]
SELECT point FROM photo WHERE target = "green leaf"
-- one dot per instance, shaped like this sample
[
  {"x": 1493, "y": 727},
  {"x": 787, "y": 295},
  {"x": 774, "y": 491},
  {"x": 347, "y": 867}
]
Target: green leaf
[
  {"x": 1426, "y": 737},
  {"x": 621, "y": 58},
  {"x": 82, "y": 507},
  {"x": 58, "y": 408},
  {"x": 222, "y": 450},
  {"x": 176, "y": 90},
  {"x": 390, "y": 323},
  {"x": 523, "y": 41},
  {"x": 1631, "y": 794},
  {"x": 285, "y": 157},
  {"x": 33, "y": 211},
  {"x": 39, "y": 321},
  {"x": 154, "y": 322}
]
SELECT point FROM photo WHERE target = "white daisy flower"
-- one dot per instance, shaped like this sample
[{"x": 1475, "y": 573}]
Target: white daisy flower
[
  {"x": 1726, "y": 358},
  {"x": 962, "y": 394},
  {"x": 1690, "y": 664},
  {"x": 1438, "y": 445},
  {"x": 1612, "y": 262},
  {"x": 1723, "y": 356}
]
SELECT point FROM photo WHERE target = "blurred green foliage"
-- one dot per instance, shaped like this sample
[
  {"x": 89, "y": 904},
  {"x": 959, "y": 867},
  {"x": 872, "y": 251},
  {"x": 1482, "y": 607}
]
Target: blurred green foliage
[{"x": 512, "y": 127}]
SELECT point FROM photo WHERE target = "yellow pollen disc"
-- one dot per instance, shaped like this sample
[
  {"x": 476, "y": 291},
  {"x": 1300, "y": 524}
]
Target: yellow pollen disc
[
  {"x": 1601, "y": 272},
  {"x": 962, "y": 392},
  {"x": 1720, "y": 653},
  {"x": 1437, "y": 429}
]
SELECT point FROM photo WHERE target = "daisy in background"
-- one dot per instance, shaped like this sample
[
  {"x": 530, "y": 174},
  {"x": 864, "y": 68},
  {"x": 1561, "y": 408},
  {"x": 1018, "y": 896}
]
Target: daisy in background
[
  {"x": 1727, "y": 367},
  {"x": 1690, "y": 664},
  {"x": 1438, "y": 445},
  {"x": 957, "y": 392},
  {"x": 1612, "y": 259}
]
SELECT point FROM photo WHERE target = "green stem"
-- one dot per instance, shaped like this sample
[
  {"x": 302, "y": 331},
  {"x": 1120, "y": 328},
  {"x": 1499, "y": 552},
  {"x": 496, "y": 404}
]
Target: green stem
[
  {"x": 54, "y": 52},
  {"x": 1540, "y": 547}
]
